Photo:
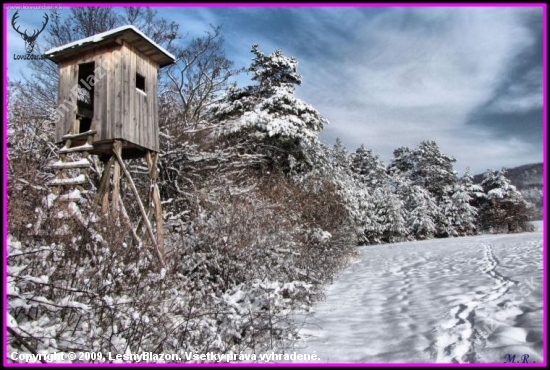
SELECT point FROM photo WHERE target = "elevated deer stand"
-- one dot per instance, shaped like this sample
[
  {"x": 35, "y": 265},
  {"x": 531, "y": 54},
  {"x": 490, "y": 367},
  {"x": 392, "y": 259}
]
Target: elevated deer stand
[{"x": 108, "y": 107}]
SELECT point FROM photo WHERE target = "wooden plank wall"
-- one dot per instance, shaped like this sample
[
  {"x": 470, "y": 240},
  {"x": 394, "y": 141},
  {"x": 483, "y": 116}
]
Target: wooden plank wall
[
  {"x": 109, "y": 113},
  {"x": 66, "y": 102},
  {"x": 68, "y": 78},
  {"x": 140, "y": 124},
  {"x": 99, "y": 122}
]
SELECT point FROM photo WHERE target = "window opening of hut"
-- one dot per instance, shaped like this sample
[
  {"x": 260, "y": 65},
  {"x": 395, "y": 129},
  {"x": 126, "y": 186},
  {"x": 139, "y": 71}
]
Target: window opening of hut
[
  {"x": 85, "y": 95},
  {"x": 140, "y": 82}
]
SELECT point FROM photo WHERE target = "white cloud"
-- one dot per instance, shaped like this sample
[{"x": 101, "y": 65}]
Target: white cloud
[{"x": 416, "y": 74}]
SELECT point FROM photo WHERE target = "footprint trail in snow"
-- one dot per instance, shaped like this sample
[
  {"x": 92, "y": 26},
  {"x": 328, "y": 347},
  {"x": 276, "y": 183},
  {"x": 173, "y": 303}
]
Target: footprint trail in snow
[{"x": 433, "y": 301}]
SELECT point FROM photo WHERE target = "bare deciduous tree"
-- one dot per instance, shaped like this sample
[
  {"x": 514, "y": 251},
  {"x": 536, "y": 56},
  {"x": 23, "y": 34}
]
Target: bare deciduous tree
[
  {"x": 201, "y": 74},
  {"x": 82, "y": 22},
  {"x": 147, "y": 20}
]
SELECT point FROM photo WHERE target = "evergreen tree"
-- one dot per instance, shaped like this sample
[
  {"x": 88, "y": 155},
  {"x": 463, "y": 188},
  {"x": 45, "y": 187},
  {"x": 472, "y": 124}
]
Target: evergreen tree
[
  {"x": 268, "y": 116},
  {"x": 423, "y": 212},
  {"x": 425, "y": 166},
  {"x": 503, "y": 209},
  {"x": 368, "y": 167},
  {"x": 402, "y": 162},
  {"x": 463, "y": 195},
  {"x": 340, "y": 154},
  {"x": 274, "y": 71},
  {"x": 390, "y": 215},
  {"x": 434, "y": 170},
  {"x": 475, "y": 191},
  {"x": 445, "y": 225},
  {"x": 371, "y": 230},
  {"x": 270, "y": 108}
]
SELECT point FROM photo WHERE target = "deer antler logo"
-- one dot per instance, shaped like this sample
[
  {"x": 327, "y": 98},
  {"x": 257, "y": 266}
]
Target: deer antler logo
[{"x": 29, "y": 40}]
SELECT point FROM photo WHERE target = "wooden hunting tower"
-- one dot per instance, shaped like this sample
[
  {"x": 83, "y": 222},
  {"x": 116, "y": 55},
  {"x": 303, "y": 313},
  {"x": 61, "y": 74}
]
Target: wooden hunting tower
[
  {"x": 108, "y": 82},
  {"x": 107, "y": 106}
]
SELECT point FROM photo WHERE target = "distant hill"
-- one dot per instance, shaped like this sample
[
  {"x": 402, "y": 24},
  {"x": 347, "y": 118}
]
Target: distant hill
[{"x": 528, "y": 180}]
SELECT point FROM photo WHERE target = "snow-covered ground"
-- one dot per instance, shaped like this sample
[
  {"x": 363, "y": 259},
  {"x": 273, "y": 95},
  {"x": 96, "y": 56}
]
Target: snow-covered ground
[{"x": 471, "y": 299}]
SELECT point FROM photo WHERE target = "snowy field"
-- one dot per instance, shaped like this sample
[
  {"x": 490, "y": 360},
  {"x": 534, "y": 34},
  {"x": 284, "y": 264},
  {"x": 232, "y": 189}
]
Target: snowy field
[{"x": 471, "y": 299}]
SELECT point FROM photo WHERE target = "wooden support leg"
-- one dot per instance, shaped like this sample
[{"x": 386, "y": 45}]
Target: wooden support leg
[
  {"x": 103, "y": 191},
  {"x": 117, "y": 149},
  {"x": 126, "y": 220},
  {"x": 152, "y": 159},
  {"x": 105, "y": 200},
  {"x": 139, "y": 203}
]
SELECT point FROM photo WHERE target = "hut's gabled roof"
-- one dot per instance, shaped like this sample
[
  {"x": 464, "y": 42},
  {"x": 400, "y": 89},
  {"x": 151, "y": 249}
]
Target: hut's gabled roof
[{"x": 128, "y": 33}]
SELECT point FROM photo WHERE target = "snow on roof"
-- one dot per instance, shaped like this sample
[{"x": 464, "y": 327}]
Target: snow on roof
[{"x": 101, "y": 36}]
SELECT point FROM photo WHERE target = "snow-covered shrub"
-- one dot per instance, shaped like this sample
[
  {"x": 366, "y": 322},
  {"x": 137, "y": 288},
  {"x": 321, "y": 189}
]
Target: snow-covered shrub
[
  {"x": 250, "y": 253},
  {"x": 79, "y": 295},
  {"x": 30, "y": 150}
]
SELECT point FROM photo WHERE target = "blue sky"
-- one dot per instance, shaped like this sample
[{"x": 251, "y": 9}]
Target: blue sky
[{"x": 469, "y": 78}]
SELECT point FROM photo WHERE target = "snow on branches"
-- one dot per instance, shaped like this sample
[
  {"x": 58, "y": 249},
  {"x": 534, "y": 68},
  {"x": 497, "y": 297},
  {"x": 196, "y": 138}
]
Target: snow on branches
[{"x": 269, "y": 109}]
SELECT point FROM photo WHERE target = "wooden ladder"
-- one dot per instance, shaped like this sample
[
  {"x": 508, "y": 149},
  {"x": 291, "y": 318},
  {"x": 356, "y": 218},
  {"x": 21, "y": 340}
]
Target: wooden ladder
[{"x": 63, "y": 181}]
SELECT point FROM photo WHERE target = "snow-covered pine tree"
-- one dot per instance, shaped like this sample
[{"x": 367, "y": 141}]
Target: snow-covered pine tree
[
  {"x": 368, "y": 167},
  {"x": 426, "y": 166},
  {"x": 402, "y": 162},
  {"x": 464, "y": 215},
  {"x": 340, "y": 154},
  {"x": 333, "y": 164},
  {"x": 434, "y": 170},
  {"x": 391, "y": 215},
  {"x": 503, "y": 209},
  {"x": 274, "y": 71},
  {"x": 475, "y": 191},
  {"x": 422, "y": 212},
  {"x": 445, "y": 223},
  {"x": 268, "y": 116}
]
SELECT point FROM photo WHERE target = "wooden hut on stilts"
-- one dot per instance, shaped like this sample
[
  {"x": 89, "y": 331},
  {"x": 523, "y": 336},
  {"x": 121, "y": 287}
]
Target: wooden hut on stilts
[{"x": 107, "y": 107}]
